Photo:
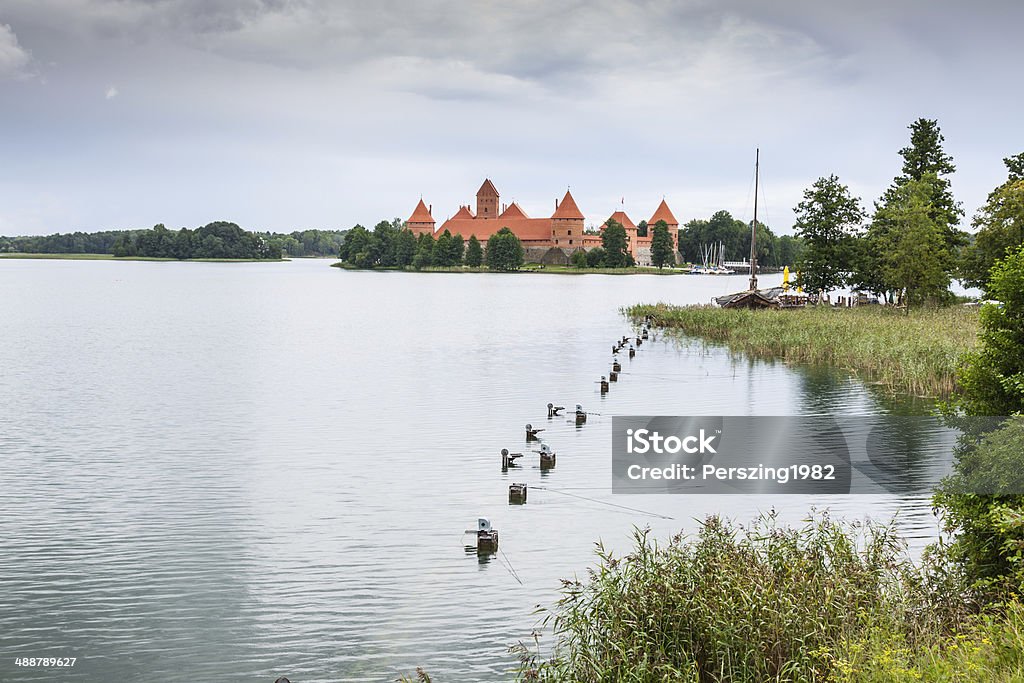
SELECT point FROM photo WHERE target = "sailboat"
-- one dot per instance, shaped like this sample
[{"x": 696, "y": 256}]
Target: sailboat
[{"x": 776, "y": 297}]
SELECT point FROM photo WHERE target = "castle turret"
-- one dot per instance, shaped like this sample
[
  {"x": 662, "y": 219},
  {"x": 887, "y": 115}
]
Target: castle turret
[
  {"x": 567, "y": 223},
  {"x": 663, "y": 213},
  {"x": 421, "y": 221},
  {"x": 487, "y": 200}
]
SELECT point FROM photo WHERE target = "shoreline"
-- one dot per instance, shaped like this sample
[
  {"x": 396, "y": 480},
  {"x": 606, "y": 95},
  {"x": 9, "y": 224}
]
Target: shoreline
[{"x": 110, "y": 257}]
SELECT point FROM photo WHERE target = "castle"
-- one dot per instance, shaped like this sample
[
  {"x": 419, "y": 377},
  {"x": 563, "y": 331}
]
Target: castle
[{"x": 546, "y": 240}]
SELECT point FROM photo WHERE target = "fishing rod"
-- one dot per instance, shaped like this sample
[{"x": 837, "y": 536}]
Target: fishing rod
[{"x": 602, "y": 502}]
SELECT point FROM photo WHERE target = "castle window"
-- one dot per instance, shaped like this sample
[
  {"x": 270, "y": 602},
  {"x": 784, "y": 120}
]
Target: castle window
[
  {"x": 570, "y": 232},
  {"x": 570, "y": 241}
]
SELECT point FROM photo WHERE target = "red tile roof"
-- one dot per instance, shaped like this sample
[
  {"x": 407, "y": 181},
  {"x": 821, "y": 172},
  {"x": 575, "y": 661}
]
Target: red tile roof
[
  {"x": 487, "y": 189},
  {"x": 621, "y": 217},
  {"x": 663, "y": 213},
  {"x": 420, "y": 214},
  {"x": 567, "y": 208},
  {"x": 513, "y": 211},
  {"x": 463, "y": 212},
  {"x": 525, "y": 228}
]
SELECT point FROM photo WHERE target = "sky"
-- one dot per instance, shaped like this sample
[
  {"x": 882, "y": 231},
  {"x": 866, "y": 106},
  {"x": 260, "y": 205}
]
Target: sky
[{"x": 292, "y": 114}]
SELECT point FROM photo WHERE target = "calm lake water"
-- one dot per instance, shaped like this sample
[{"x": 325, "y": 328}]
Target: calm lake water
[{"x": 228, "y": 472}]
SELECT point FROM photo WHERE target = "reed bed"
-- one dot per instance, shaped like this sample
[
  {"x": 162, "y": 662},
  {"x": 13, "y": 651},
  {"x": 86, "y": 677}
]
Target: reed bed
[
  {"x": 915, "y": 353},
  {"x": 828, "y": 601}
]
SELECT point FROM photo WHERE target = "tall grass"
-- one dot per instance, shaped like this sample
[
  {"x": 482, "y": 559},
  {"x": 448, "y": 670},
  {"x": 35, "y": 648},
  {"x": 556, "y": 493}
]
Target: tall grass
[
  {"x": 913, "y": 353},
  {"x": 826, "y": 602}
]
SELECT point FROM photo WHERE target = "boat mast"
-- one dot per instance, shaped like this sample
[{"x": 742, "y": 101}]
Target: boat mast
[{"x": 753, "y": 227}]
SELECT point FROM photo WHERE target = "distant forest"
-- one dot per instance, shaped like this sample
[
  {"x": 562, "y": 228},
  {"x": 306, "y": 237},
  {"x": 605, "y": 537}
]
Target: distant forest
[
  {"x": 215, "y": 240},
  {"x": 773, "y": 251}
]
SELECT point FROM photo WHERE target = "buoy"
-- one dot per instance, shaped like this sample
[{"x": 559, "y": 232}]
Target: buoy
[
  {"x": 632, "y": 352},
  {"x": 604, "y": 385},
  {"x": 547, "y": 457},
  {"x": 509, "y": 459},
  {"x": 616, "y": 366},
  {"x": 516, "y": 494},
  {"x": 581, "y": 415},
  {"x": 531, "y": 432}
]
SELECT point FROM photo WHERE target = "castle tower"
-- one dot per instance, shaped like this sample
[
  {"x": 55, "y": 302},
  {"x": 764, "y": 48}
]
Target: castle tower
[
  {"x": 567, "y": 223},
  {"x": 487, "y": 200},
  {"x": 421, "y": 222},
  {"x": 663, "y": 213}
]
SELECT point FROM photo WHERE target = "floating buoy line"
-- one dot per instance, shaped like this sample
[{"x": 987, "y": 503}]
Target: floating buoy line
[{"x": 485, "y": 538}]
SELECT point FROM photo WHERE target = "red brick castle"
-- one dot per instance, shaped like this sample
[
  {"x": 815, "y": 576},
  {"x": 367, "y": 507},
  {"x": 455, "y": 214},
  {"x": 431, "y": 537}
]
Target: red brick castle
[{"x": 546, "y": 240}]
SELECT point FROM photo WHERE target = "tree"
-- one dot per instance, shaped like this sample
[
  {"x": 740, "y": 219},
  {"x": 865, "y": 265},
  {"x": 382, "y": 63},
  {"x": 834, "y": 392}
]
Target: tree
[
  {"x": 999, "y": 223},
  {"x": 790, "y": 250},
  {"x": 641, "y": 229},
  {"x": 474, "y": 252},
  {"x": 424, "y": 252},
  {"x": 826, "y": 222},
  {"x": 923, "y": 157},
  {"x": 616, "y": 245},
  {"x": 356, "y": 240},
  {"x": 443, "y": 250},
  {"x": 405, "y": 248},
  {"x": 504, "y": 251},
  {"x": 982, "y": 500},
  {"x": 579, "y": 259},
  {"x": 385, "y": 236},
  {"x": 912, "y": 244},
  {"x": 595, "y": 257},
  {"x": 661, "y": 245},
  {"x": 456, "y": 250}
]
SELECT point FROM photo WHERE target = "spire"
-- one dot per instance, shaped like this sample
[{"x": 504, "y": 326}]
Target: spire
[
  {"x": 567, "y": 208},
  {"x": 663, "y": 213},
  {"x": 487, "y": 189},
  {"x": 421, "y": 214}
]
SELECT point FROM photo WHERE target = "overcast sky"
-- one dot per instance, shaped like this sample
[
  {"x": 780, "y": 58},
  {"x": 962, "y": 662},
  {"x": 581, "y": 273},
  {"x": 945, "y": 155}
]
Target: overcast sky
[{"x": 290, "y": 114}]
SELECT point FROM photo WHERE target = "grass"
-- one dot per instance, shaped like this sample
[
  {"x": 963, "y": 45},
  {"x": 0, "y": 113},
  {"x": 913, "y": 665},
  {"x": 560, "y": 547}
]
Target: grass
[
  {"x": 111, "y": 257},
  {"x": 826, "y": 602},
  {"x": 915, "y": 353}
]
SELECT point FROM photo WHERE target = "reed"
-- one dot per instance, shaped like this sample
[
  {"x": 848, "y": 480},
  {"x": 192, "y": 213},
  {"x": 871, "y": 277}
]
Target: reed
[
  {"x": 913, "y": 353},
  {"x": 828, "y": 601}
]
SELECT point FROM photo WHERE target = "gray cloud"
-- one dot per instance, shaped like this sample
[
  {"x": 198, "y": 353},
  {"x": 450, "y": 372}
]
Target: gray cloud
[{"x": 309, "y": 112}]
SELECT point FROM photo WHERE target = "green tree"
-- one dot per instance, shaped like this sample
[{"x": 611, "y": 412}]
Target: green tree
[
  {"x": 790, "y": 250},
  {"x": 595, "y": 257},
  {"x": 616, "y": 245},
  {"x": 424, "y": 252},
  {"x": 474, "y": 252},
  {"x": 579, "y": 258},
  {"x": 385, "y": 236},
  {"x": 826, "y": 221},
  {"x": 405, "y": 248},
  {"x": 457, "y": 249},
  {"x": 641, "y": 229},
  {"x": 504, "y": 251},
  {"x": 981, "y": 501},
  {"x": 925, "y": 157},
  {"x": 443, "y": 250},
  {"x": 913, "y": 248},
  {"x": 356, "y": 240},
  {"x": 999, "y": 223},
  {"x": 661, "y": 245}
]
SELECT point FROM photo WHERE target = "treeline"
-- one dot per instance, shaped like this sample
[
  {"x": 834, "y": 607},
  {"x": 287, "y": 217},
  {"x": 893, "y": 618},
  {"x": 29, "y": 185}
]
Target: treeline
[
  {"x": 734, "y": 235},
  {"x": 67, "y": 243},
  {"x": 390, "y": 245},
  {"x": 910, "y": 247},
  {"x": 158, "y": 242},
  {"x": 215, "y": 240}
]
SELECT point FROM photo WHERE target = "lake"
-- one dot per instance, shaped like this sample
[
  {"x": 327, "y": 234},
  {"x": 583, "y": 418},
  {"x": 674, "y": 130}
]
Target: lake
[{"x": 226, "y": 472}]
